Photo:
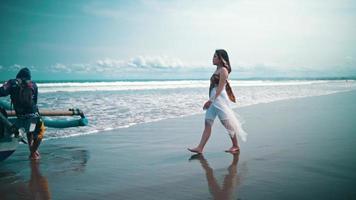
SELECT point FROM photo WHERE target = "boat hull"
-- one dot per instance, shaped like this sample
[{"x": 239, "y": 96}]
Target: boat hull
[{"x": 7, "y": 147}]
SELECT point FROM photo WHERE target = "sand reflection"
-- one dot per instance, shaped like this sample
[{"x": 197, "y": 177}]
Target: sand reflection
[
  {"x": 17, "y": 182},
  {"x": 38, "y": 184},
  {"x": 231, "y": 179}
]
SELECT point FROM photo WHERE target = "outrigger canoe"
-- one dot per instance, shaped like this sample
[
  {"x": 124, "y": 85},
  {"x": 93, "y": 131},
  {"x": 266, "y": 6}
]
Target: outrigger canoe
[{"x": 8, "y": 141}]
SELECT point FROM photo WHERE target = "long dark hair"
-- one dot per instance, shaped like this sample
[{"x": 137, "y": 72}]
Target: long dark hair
[{"x": 222, "y": 54}]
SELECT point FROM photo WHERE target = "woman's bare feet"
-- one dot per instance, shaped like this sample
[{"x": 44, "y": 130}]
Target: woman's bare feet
[
  {"x": 34, "y": 156},
  {"x": 233, "y": 150},
  {"x": 38, "y": 154},
  {"x": 196, "y": 150}
]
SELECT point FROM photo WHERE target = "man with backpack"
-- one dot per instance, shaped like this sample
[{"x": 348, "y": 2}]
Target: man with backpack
[{"x": 23, "y": 93}]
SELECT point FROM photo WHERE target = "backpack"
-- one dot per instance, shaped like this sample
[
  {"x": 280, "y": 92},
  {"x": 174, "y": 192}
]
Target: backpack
[{"x": 23, "y": 95}]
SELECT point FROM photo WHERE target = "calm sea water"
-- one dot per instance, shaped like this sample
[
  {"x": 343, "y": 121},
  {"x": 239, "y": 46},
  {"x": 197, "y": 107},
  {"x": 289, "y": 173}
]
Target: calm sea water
[{"x": 118, "y": 104}]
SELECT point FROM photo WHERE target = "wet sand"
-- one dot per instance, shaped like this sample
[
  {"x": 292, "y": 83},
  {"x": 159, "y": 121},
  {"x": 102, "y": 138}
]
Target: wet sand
[{"x": 296, "y": 149}]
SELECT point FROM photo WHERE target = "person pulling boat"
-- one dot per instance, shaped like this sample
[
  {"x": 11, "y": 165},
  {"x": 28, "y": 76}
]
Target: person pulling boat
[{"x": 23, "y": 93}]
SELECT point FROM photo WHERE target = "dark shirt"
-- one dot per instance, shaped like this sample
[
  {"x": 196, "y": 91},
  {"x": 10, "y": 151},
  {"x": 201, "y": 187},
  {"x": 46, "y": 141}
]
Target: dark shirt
[
  {"x": 9, "y": 88},
  {"x": 214, "y": 82}
]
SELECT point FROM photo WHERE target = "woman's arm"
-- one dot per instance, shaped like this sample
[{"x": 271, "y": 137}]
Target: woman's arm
[{"x": 223, "y": 76}]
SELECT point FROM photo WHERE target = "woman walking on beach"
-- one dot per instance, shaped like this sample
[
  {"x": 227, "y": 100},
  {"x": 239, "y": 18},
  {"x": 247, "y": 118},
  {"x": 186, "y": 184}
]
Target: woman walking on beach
[{"x": 220, "y": 93}]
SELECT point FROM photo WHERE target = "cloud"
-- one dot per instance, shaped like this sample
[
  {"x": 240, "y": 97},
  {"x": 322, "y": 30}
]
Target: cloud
[
  {"x": 71, "y": 68},
  {"x": 107, "y": 65},
  {"x": 111, "y": 63},
  {"x": 145, "y": 66},
  {"x": 61, "y": 68},
  {"x": 156, "y": 62},
  {"x": 142, "y": 62},
  {"x": 14, "y": 68}
]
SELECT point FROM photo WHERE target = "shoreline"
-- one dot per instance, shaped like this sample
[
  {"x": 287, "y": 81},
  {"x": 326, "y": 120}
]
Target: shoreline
[{"x": 193, "y": 115}]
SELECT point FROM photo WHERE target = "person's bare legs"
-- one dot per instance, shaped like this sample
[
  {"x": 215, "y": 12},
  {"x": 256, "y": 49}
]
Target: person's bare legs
[
  {"x": 30, "y": 143},
  {"x": 204, "y": 138},
  {"x": 235, "y": 145},
  {"x": 33, "y": 144}
]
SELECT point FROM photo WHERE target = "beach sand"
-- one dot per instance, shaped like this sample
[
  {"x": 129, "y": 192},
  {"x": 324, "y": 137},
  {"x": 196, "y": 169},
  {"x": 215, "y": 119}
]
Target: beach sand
[{"x": 296, "y": 149}]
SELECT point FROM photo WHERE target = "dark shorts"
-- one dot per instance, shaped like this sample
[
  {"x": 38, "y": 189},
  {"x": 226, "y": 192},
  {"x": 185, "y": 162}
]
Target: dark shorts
[{"x": 32, "y": 126}]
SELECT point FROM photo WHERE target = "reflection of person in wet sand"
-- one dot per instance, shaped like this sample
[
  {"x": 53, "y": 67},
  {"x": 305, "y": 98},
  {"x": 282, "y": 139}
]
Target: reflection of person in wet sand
[
  {"x": 231, "y": 180},
  {"x": 17, "y": 188},
  {"x": 38, "y": 184}
]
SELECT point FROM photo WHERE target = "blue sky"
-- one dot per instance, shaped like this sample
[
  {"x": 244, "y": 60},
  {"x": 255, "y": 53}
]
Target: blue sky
[{"x": 176, "y": 39}]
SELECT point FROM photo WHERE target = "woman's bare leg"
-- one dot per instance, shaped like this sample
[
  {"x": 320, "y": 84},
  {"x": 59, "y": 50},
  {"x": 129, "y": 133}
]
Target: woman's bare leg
[
  {"x": 233, "y": 136},
  {"x": 235, "y": 144},
  {"x": 204, "y": 138}
]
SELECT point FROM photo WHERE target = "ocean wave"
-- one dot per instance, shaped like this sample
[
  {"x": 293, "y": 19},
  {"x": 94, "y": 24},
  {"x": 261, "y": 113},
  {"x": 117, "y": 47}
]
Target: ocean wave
[
  {"x": 158, "y": 100},
  {"x": 160, "y": 85}
]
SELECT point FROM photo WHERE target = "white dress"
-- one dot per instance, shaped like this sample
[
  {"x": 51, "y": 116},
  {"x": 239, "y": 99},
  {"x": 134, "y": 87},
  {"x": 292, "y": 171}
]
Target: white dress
[{"x": 221, "y": 108}]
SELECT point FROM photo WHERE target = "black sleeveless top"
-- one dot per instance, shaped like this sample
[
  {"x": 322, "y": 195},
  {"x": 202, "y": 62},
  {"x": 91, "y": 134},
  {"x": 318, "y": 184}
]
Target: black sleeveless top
[{"x": 214, "y": 82}]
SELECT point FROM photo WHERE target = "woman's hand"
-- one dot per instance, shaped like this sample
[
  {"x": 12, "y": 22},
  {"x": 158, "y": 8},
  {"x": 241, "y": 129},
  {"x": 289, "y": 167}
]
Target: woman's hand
[{"x": 207, "y": 105}]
